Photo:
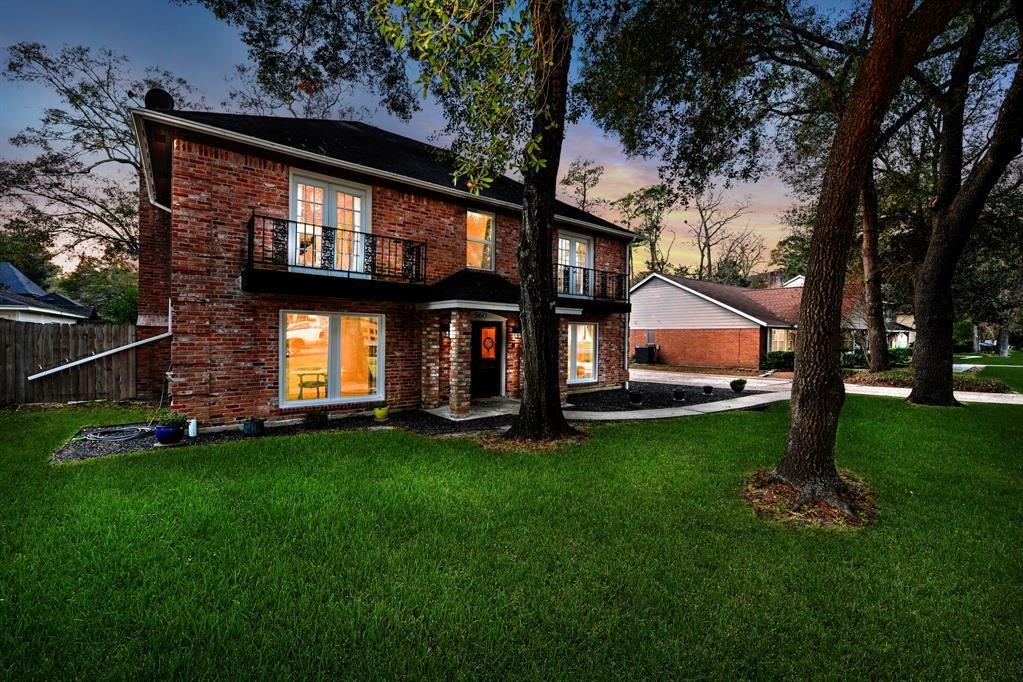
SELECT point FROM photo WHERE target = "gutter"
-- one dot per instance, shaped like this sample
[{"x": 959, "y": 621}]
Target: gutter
[{"x": 176, "y": 122}]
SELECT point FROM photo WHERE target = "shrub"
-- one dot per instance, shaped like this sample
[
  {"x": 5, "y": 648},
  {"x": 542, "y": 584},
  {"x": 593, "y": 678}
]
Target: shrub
[
  {"x": 165, "y": 417},
  {"x": 737, "y": 385},
  {"x": 903, "y": 378},
  {"x": 900, "y": 356},
  {"x": 854, "y": 359},
  {"x": 779, "y": 359}
]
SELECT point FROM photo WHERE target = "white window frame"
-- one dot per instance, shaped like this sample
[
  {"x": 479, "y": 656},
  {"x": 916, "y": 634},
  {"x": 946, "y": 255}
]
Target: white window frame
[
  {"x": 333, "y": 359},
  {"x": 492, "y": 242},
  {"x": 330, "y": 186},
  {"x": 571, "y": 348},
  {"x": 573, "y": 239}
]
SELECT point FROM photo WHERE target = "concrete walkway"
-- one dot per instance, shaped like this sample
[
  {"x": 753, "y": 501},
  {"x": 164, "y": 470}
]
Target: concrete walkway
[{"x": 785, "y": 385}]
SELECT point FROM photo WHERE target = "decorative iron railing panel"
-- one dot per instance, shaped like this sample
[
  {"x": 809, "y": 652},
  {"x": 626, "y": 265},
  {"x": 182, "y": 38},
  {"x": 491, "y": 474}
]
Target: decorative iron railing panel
[
  {"x": 277, "y": 243},
  {"x": 572, "y": 280}
]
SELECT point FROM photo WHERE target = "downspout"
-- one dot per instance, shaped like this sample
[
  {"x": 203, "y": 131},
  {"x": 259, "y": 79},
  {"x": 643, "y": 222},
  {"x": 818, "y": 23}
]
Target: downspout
[{"x": 135, "y": 344}]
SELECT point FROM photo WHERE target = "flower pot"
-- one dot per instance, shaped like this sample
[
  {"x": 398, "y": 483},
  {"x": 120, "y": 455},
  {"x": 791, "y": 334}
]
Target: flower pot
[
  {"x": 707, "y": 390},
  {"x": 635, "y": 397},
  {"x": 678, "y": 395},
  {"x": 254, "y": 427},
  {"x": 169, "y": 435},
  {"x": 381, "y": 413},
  {"x": 738, "y": 385}
]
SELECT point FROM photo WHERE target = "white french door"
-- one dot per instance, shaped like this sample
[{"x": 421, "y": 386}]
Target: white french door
[
  {"x": 317, "y": 206},
  {"x": 575, "y": 257}
]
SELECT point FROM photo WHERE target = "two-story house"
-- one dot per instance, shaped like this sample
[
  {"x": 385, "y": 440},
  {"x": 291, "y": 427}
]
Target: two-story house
[{"x": 304, "y": 264}]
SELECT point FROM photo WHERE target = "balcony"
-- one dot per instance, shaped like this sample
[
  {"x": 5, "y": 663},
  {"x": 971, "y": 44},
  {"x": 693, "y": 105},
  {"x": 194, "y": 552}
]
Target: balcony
[
  {"x": 588, "y": 283},
  {"x": 287, "y": 256}
]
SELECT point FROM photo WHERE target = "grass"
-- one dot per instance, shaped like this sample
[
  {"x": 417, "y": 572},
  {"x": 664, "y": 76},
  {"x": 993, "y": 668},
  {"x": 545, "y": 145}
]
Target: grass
[
  {"x": 1010, "y": 376},
  {"x": 383, "y": 554},
  {"x": 1015, "y": 357},
  {"x": 903, "y": 378}
]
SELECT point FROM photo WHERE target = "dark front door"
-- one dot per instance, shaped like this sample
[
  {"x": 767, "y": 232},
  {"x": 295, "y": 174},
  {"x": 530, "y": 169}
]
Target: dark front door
[{"x": 486, "y": 359}]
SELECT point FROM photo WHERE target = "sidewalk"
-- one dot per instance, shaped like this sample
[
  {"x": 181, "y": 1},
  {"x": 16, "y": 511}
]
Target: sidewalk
[{"x": 770, "y": 384}]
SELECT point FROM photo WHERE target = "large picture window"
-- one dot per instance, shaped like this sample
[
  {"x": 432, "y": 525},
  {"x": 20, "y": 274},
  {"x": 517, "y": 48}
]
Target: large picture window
[
  {"x": 582, "y": 353},
  {"x": 331, "y": 358},
  {"x": 781, "y": 340},
  {"x": 479, "y": 240}
]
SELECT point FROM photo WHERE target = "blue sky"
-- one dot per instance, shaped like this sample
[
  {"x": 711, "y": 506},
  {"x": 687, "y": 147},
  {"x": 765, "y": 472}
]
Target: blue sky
[{"x": 190, "y": 42}]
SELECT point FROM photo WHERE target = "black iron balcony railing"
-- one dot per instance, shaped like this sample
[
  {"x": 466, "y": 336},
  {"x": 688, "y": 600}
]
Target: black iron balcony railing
[
  {"x": 276, "y": 243},
  {"x": 572, "y": 280}
]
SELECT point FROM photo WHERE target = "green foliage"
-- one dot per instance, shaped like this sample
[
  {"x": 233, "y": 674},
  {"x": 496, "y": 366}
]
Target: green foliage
[
  {"x": 900, "y": 356},
  {"x": 903, "y": 378},
  {"x": 110, "y": 285},
  {"x": 165, "y": 417},
  {"x": 385, "y": 554},
  {"x": 27, "y": 246},
  {"x": 478, "y": 59},
  {"x": 854, "y": 360},
  {"x": 962, "y": 333},
  {"x": 582, "y": 176},
  {"x": 780, "y": 360},
  {"x": 643, "y": 212}
]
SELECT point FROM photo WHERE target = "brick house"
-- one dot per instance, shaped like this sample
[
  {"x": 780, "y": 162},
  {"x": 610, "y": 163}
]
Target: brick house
[
  {"x": 304, "y": 264},
  {"x": 697, "y": 323}
]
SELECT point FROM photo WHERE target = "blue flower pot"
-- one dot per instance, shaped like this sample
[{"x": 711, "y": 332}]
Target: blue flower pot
[{"x": 169, "y": 435}]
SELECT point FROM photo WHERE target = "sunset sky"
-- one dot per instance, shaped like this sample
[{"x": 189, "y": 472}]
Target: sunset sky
[{"x": 188, "y": 41}]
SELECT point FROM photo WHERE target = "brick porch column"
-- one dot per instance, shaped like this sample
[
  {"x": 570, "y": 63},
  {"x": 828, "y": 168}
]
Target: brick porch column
[
  {"x": 461, "y": 360},
  {"x": 563, "y": 359},
  {"x": 430, "y": 326}
]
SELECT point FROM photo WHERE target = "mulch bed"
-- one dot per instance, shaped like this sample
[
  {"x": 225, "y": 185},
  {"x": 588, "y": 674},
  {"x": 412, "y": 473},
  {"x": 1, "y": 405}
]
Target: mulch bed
[
  {"x": 416, "y": 421},
  {"x": 775, "y": 500},
  {"x": 654, "y": 396}
]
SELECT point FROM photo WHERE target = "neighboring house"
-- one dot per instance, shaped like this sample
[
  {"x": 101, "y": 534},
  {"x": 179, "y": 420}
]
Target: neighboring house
[
  {"x": 305, "y": 264},
  {"x": 706, "y": 324},
  {"x": 23, "y": 300},
  {"x": 795, "y": 282}
]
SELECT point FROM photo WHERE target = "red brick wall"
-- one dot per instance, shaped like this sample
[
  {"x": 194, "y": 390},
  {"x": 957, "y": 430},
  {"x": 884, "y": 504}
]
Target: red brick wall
[
  {"x": 740, "y": 348},
  {"x": 152, "y": 360},
  {"x": 611, "y": 369}
]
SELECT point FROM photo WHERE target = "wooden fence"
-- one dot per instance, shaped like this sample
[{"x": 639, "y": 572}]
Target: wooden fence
[{"x": 27, "y": 348}]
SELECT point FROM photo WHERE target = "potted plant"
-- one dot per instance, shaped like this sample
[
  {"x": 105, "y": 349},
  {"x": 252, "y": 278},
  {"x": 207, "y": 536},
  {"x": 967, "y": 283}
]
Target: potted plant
[
  {"x": 170, "y": 427},
  {"x": 737, "y": 385},
  {"x": 636, "y": 397},
  {"x": 707, "y": 390},
  {"x": 381, "y": 411},
  {"x": 678, "y": 395},
  {"x": 253, "y": 426}
]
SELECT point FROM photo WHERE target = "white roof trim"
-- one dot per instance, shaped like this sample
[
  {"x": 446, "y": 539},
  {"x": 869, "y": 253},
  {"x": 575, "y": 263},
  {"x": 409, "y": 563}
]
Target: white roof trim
[
  {"x": 47, "y": 311},
  {"x": 460, "y": 303},
  {"x": 700, "y": 295},
  {"x": 348, "y": 165}
]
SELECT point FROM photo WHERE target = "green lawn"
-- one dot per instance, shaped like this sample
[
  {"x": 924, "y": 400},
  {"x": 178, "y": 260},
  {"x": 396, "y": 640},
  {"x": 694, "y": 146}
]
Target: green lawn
[
  {"x": 383, "y": 554},
  {"x": 1015, "y": 358},
  {"x": 1011, "y": 376}
]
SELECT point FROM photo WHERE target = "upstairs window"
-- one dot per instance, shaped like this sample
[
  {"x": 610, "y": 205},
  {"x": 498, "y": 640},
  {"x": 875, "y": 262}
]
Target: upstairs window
[{"x": 479, "y": 240}]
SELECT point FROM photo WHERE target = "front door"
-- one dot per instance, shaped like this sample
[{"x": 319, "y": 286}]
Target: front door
[{"x": 486, "y": 359}]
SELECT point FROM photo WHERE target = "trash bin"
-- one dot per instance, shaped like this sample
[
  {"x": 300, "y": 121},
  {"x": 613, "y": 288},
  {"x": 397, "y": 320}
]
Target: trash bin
[{"x": 646, "y": 355}]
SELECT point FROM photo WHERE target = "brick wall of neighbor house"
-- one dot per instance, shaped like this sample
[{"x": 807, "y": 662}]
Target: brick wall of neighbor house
[{"x": 740, "y": 348}]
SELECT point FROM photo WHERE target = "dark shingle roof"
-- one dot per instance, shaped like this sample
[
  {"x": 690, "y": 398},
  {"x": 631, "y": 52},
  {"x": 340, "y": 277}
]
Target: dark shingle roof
[
  {"x": 16, "y": 289},
  {"x": 367, "y": 145},
  {"x": 8, "y": 298},
  {"x": 473, "y": 285}
]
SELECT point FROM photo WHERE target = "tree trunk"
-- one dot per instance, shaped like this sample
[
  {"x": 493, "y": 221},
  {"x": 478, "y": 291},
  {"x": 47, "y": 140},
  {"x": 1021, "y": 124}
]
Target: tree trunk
[
  {"x": 540, "y": 416},
  {"x": 976, "y": 340},
  {"x": 1003, "y": 340},
  {"x": 955, "y": 210},
  {"x": 901, "y": 36},
  {"x": 873, "y": 302}
]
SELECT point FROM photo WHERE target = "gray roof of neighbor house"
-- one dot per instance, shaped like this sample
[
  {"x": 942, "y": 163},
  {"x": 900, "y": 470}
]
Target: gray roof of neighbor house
[
  {"x": 18, "y": 291},
  {"x": 371, "y": 147},
  {"x": 777, "y": 307},
  {"x": 15, "y": 281}
]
